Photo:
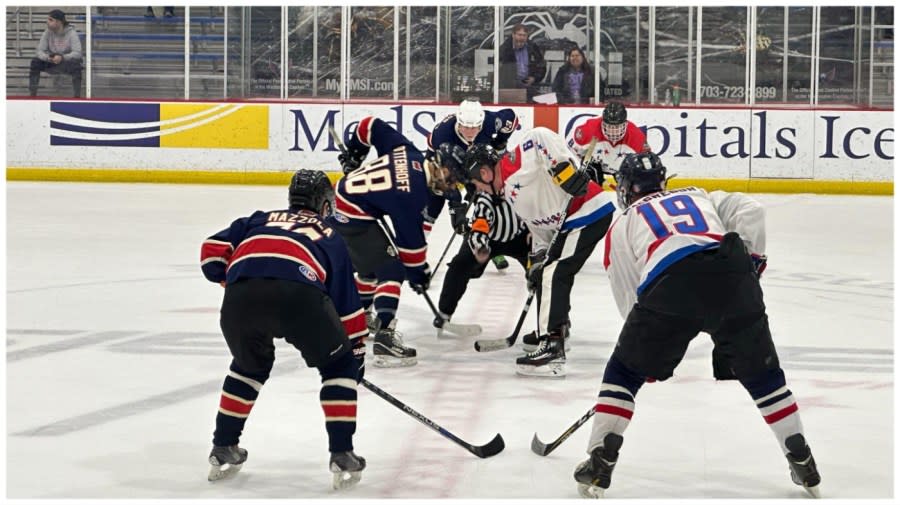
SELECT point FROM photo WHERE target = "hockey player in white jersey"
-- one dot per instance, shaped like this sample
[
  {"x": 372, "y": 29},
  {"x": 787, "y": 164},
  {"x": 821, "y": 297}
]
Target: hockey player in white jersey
[
  {"x": 681, "y": 262},
  {"x": 567, "y": 213}
]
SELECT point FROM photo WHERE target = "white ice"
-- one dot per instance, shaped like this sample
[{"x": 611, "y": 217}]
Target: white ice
[{"x": 115, "y": 362}]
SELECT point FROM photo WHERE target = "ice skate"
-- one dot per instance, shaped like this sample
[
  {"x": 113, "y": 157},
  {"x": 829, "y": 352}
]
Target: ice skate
[
  {"x": 225, "y": 461},
  {"x": 595, "y": 474},
  {"x": 530, "y": 342},
  {"x": 347, "y": 468},
  {"x": 803, "y": 465},
  {"x": 500, "y": 262},
  {"x": 389, "y": 350},
  {"x": 548, "y": 360}
]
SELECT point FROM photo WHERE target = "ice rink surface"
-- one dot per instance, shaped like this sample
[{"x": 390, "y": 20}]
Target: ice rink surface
[{"x": 114, "y": 363}]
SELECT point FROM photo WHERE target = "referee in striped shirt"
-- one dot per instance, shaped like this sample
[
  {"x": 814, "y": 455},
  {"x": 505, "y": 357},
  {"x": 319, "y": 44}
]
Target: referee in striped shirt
[{"x": 493, "y": 229}]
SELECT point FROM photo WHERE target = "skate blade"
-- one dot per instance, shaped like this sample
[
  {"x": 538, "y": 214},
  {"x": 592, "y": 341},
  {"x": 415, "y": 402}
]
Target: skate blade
[
  {"x": 813, "y": 491},
  {"x": 381, "y": 361},
  {"x": 217, "y": 472},
  {"x": 345, "y": 480},
  {"x": 550, "y": 370},
  {"x": 588, "y": 491}
]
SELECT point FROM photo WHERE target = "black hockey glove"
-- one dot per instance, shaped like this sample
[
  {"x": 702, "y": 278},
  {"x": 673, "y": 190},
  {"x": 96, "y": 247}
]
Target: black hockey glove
[
  {"x": 535, "y": 274},
  {"x": 571, "y": 180},
  {"x": 596, "y": 169},
  {"x": 759, "y": 263},
  {"x": 359, "y": 354},
  {"x": 458, "y": 217},
  {"x": 351, "y": 160},
  {"x": 419, "y": 278}
]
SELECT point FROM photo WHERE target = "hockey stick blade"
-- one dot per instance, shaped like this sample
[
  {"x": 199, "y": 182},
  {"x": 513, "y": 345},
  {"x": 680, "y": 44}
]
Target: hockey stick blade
[
  {"x": 489, "y": 449},
  {"x": 494, "y": 447},
  {"x": 488, "y": 345},
  {"x": 542, "y": 449},
  {"x": 506, "y": 343},
  {"x": 462, "y": 329}
]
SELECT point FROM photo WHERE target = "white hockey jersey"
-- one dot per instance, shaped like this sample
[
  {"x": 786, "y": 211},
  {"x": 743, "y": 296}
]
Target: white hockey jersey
[
  {"x": 526, "y": 172},
  {"x": 660, "y": 229},
  {"x": 611, "y": 154}
]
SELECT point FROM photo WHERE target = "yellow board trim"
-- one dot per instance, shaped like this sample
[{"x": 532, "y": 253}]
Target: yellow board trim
[{"x": 283, "y": 178}]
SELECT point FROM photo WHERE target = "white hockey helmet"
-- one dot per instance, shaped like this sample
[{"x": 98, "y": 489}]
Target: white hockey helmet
[{"x": 470, "y": 113}]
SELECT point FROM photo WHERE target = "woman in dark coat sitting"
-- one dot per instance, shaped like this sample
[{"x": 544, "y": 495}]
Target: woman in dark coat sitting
[{"x": 574, "y": 81}]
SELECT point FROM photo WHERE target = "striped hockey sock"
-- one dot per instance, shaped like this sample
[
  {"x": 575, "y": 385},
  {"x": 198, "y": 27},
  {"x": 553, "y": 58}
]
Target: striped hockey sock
[
  {"x": 615, "y": 403},
  {"x": 776, "y": 404},
  {"x": 338, "y": 399},
  {"x": 366, "y": 288},
  {"x": 239, "y": 392}
]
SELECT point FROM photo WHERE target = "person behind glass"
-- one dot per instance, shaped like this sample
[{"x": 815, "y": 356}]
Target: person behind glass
[
  {"x": 59, "y": 51},
  {"x": 574, "y": 81},
  {"x": 522, "y": 62}
]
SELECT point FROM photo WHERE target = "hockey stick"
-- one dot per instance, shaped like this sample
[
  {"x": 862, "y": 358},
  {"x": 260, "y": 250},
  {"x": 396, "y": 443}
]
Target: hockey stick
[
  {"x": 542, "y": 449},
  {"x": 482, "y": 451},
  {"x": 443, "y": 255},
  {"x": 504, "y": 343}
]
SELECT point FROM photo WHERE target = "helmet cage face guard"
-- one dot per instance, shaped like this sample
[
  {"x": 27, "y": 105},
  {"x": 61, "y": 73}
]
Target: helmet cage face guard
[{"x": 614, "y": 132}]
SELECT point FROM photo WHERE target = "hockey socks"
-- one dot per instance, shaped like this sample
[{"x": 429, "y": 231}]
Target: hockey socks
[
  {"x": 338, "y": 399},
  {"x": 239, "y": 392}
]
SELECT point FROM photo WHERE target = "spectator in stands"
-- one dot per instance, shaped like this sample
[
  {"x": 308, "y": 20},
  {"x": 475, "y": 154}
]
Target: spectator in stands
[
  {"x": 168, "y": 12},
  {"x": 522, "y": 62},
  {"x": 59, "y": 51},
  {"x": 574, "y": 81}
]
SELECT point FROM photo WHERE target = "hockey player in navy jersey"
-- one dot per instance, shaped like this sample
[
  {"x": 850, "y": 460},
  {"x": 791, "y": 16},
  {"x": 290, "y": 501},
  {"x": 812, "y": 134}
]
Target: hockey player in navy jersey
[
  {"x": 395, "y": 184},
  {"x": 681, "y": 262},
  {"x": 287, "y": 274},
  {"x": 470, "y": 125},
  {"x": 567, "y": 214}
]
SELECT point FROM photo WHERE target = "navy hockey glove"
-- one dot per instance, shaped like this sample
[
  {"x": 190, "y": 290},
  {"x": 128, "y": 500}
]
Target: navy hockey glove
[
  {"x": 535, "y": 274},
  {"x": 759, "y": 263},
  {"x": 572, "y": 181},
  {"x": 419, "y": 278},
  {"x": 458, "y": 217},
  {"x": 359, "y": 354}
]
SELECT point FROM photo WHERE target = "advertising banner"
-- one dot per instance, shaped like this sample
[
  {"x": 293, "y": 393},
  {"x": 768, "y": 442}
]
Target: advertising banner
[{"x": 703, "y": 143}]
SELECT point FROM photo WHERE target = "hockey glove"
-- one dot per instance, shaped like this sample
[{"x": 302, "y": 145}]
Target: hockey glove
[
  {"x": 458, "y": 217},
  {"x": 596, "y": 169},
  {"x": 572, "y": 181},
  {"x": 759, "y": 263},
  {"x": 535, "y": 274},
  {"x": 351, "y": 160},
  {"x": 419, "y": 278},
  {"x": 359, "y": 354}
]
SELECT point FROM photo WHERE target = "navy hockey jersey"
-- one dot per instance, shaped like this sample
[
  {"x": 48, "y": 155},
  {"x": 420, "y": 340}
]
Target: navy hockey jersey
[
  {"x": 395, "y": 184},
  {"x": 294, "y": 246},
  {"x": 495, "y": 131}
]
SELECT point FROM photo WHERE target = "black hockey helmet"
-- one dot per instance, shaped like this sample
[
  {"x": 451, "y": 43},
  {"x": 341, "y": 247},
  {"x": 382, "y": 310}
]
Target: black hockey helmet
[
  {"x": 451, "y": 157},
  {"x": 615, "y": 119},
  {"x": 639, "y": 174},
  {"x": 477, "y": 156},
  {"x": 311, "y": 190}
]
